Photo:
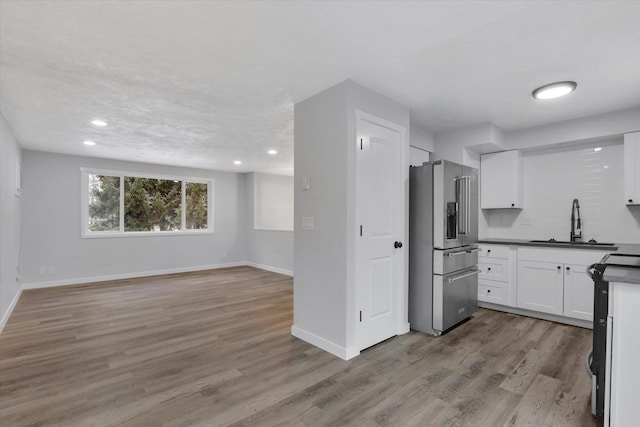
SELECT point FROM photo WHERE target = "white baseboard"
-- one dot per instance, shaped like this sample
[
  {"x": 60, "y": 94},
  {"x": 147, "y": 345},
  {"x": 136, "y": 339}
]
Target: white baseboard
[
  {"x": 270, "y": 268},
  {"x": 326, "y": 345},
  {"x": 404, "y": 328},
  {"x": 134, "y": 275},
  {"x": 544, "y": 316},
  {"x": 7, "y": 313}
]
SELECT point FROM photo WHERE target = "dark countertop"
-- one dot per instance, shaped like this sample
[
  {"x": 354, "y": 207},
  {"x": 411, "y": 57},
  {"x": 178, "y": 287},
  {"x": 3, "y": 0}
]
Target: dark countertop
[
  {"x": 622, "y": 274},
  {"x": 518, "y": 242}
]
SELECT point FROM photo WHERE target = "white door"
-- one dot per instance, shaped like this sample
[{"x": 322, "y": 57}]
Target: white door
[
  {"x": 380, "y": 224},
  {"x": 540, "y": 286}
]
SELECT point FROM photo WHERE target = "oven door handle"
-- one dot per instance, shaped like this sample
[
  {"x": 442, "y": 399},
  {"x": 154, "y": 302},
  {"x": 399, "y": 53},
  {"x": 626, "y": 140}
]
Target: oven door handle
[{"x": 587, "y": 363}]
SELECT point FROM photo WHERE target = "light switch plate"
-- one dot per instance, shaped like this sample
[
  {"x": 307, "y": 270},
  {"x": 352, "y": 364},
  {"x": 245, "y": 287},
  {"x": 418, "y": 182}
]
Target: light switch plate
[
  {"x": 306, "y": 183},
  {"x": 307, "y": 223}
]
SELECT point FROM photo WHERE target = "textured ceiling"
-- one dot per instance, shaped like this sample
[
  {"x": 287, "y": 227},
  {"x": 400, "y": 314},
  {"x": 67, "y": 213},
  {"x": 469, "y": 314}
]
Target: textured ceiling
[{"x": 202, "y": 84}]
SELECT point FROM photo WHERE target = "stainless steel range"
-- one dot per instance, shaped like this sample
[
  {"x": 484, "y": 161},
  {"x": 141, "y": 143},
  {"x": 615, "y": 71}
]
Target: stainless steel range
[{"x": 443, "y": 255}]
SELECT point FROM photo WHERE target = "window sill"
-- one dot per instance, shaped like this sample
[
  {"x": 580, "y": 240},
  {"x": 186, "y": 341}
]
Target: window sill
[{"x": 145, "y": 234}]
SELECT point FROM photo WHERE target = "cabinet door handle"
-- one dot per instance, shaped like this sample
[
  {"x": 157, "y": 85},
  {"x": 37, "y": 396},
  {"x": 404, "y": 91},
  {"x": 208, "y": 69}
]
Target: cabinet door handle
[
  {"x": 568, "y": 268},
  {"x": 489, "y": 269},
  {"x": 559, "y": 267}
]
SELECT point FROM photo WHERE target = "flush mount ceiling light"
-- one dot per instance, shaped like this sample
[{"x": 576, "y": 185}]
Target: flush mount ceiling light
[
  {"x": 554, "y": 90},
  {"x": 89, "y": 143},
  {"x": 237, "y": 162},
  {"x": 99, "y": 123},
  {"x": 597, "y": 149},
  {"x": 273, "y": 152}
]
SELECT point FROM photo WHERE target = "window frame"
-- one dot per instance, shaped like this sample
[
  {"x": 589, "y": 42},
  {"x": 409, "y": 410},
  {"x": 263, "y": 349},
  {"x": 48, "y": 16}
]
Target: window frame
[{"x": 84, "y": 204}]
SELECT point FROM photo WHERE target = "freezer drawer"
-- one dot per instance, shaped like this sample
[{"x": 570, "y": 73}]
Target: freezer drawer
[
  {"x": 455, "y": 297},
  {"x": 450, "y": 260}
]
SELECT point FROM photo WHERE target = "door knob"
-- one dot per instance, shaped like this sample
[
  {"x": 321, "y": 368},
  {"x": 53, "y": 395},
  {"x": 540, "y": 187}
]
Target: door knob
[{"x": 397, "y": 245}]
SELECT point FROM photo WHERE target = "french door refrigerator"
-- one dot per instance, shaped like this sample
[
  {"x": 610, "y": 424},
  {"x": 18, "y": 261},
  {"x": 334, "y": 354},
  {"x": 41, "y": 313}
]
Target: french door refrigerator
[{"x": 443, "y": 251}]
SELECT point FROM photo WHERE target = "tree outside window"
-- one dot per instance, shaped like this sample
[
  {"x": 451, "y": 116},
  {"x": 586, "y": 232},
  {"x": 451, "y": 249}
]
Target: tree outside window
[{"x": 146, "y": 204}]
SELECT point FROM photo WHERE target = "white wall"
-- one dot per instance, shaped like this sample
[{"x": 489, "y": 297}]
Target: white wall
[
  {"x": 267, "y": 249},
  {"x": 420, "y": 138},
  {"x": 51, "y": 237},
  {"x": 464, "y": 145},
  {"x": 10, "y": 221},
  {"x": 601, "y": 126},
  {"x": 320, "y": 260},
  {"x": 324, "y": 284},
  {"x": 552, "y": 179}
]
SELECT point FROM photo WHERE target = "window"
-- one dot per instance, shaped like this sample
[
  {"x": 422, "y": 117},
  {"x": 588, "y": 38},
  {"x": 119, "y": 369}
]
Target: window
[{"x": 120, "y": 203}]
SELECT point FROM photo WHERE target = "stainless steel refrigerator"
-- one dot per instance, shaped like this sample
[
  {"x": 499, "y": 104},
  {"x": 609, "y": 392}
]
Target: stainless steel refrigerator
[{"x": 443, "y": 251}]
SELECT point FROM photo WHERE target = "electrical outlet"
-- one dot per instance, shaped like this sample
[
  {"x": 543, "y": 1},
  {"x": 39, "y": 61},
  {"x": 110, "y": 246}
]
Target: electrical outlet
[
  {"x": 306, "y": 183},
  {"x": 51, "y": 270},
  {"x": 43, "y": 270}
]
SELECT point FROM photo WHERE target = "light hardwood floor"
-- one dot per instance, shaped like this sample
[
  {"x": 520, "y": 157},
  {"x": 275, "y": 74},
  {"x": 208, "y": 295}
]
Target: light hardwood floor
[{"x": 214, "y": 348}]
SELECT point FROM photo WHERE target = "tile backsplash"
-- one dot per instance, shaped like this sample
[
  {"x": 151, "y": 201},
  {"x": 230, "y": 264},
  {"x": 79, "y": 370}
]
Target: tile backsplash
[{"x": 552, "y": 179}]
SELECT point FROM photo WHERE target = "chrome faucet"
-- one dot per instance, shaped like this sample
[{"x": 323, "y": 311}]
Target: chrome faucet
[{"x": 575, "y": 225}]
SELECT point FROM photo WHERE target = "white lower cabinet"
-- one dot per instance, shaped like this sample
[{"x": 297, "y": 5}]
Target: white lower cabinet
[
  {"x": 578, "y": 292},
  {"x": 496, "y": 283},
  {"x": 563, "y": 289},
  {"x": 555, "y": 281},
  {"x": 540, "y": 286},
  {"x": 536, "y": 279}
]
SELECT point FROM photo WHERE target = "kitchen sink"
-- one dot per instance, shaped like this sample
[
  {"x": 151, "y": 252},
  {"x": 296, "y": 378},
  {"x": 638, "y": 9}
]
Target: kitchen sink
[{"x": 566, "y": 242}]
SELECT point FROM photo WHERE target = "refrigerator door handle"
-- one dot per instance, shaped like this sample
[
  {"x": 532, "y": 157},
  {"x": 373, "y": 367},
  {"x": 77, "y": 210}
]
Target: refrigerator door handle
[
  {"x": 468, "y": 204},
  {"x": 463, "y": 187},
  {"x": 460, "y": 198}
]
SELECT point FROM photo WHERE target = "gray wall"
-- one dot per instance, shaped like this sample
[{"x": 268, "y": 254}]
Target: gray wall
[
  {"x": 320, "y": 261},
  {"x": 51, "y": 238},
  {"x": 324, "y": 263},
  {"x": 271, "y": 250},
  {"x": 10, "y": 220}
]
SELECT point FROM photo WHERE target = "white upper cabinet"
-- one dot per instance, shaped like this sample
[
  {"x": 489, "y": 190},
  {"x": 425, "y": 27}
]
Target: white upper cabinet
[
  {"x": 632, "y": 168},
  {"x": 501, "y": 180}
]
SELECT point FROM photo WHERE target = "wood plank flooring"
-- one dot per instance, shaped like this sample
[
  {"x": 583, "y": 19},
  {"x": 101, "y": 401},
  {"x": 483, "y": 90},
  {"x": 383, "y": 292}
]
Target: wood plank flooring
[{"x": 214, "y": 348}]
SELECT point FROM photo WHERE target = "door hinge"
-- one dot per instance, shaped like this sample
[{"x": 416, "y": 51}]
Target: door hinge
[
  {"x": 360, "y": 231},
  {"x": 361, "y": 315},
  {"x": 361, "y": 143}
]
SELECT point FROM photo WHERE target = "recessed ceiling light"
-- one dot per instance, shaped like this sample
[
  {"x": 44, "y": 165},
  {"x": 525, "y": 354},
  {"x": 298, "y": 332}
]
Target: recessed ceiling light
[
  {"x": 90, "y": 143},
  {"x": 273, "y": 152},
  {"x": 237, "y": 162},
  {"x": 554, "y": 90},
  {"x": 597, "y": 149},
  {"x": 99, "y": 123},
  {"x": 606, "y": 167}
]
